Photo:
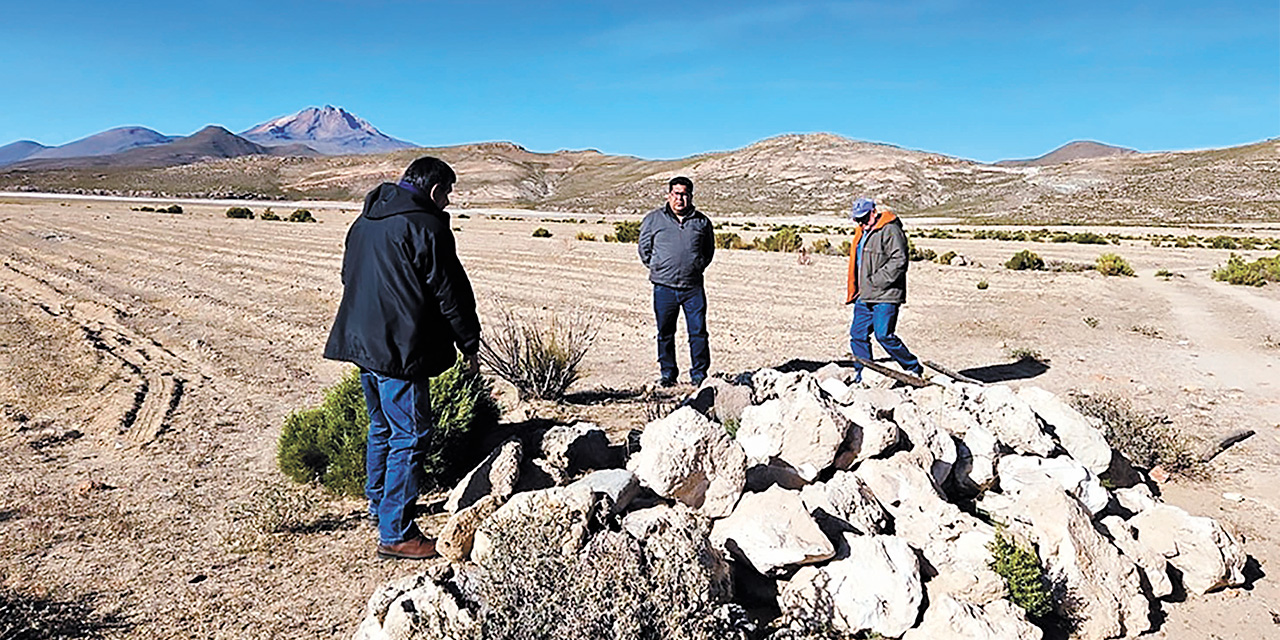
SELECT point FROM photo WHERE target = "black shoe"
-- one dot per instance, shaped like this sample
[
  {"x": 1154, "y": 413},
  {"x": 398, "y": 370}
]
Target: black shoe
[
  {"x": 697, "y": 382},
  {"x": 667, "y": 382}
]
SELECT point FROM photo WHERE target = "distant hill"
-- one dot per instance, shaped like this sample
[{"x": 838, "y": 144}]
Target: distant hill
[
  {"x": 786, "y": 175},
  {"x": 15, "y": 151},
  {"x": 210, "y": 143},
  {"x": 1078, "y": 150},
  {"x": 329, "y": 130},
  {"x": 105, "y": 143}
]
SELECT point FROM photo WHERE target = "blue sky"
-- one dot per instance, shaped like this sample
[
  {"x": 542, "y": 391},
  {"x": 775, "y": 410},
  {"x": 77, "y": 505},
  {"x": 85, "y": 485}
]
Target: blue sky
[{"x": 979, "y": 80}]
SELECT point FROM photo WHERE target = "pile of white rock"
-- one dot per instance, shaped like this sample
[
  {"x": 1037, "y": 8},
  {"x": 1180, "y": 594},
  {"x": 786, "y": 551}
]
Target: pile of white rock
[{"x": 846, "y": 501}]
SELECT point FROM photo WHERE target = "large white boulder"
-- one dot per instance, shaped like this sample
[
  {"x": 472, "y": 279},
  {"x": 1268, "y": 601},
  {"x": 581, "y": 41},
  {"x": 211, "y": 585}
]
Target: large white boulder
[
  {"x": 933, "y": 448},
  {"x": 689, "y": 458},
  {"x": 1207, "y": 555},
  {"x": 876, "y": 587},
  {"x": 773, "y": 531},
  {"x": 1153, "y": 566},
  {"x": 1012, "y": 421},
  {"x": 417, "y": 606},
  {"x": 847, "y": 499},
  {"x": 1079, "y": 436},
  {"x": 951, "y": 619},
  {"x": 800, "y": 426},
  {"x": 1019, "y": 472},
  {"x": 455, "y": 538},
  {"x": 559, "y": 516}
]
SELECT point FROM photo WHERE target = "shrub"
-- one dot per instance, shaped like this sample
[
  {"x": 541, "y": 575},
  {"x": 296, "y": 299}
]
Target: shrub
[
  {"x": 270, "y": 508},
  {"x": 627, "y": 231},
  {"x": 1024, "y": 260},
  {"x": 1255, "y": 274},
  {"x": 327, "y": 444},
  {"x": 821, "y": 245},
  {"x": 301, "y": 215},
  {"x": 1146, "y": 440},
  {"x": 541, "y": 232},
  {"x": 946, "y": 257},
  {"x": 1223, "y": 242},
  {"x": 540, "y": 358},
  {"x": 146, "y": 209},
  {"x": 915, "y": 254},
  {"x": 1019, "y": 565},
  {"x": 728, "y": 240},
  {"x": 1091, "y": 321},
  {"x": 173, "y": 208},
  {"x": 982, "y": 285},
  {"x": 1110, "y": 264},
  {"x": 586, "y": 237},
  {"x": 269, "y": 215},
  {"x": 1067, "y": 266},
  {"x": 785, "y": 239},
  {"x": 242, "y": 213},
  {"x": 845, "y": 247},
  {"x": 1026, "y": 354},
  {"x": 1164, "y": 273}
]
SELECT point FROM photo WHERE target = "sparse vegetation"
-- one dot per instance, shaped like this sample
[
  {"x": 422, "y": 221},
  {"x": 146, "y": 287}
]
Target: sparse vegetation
[
  {"x": 1091, "y": 321},
  {"x": 1165, "y": 273},
  {"x": 541, "y": 232},
  {"x": 626, "y": 231},
  {"x": 729, "y": 240},
  {"x": 240, "y": 213},
  {"x": 1145, "y": 440},
  {"x": 173, "y": 208},
  {"x": 1254, "y": 274},
  {"x": 946, "y": 258},
  {"x": 1110, "y": 264},
  {"x": 270, "y": 508},
  {"x": 269, "y": 215},
  {"x": 1025, "y": 260},
  {"x": 585, "y": 237},
  {"x": 41, "y": 617},
  {"x": 301, "y": 215},
  {"x": 916, "y": 254},
  {"x": 1019, "y": 565},
  {"x": 786, "y": 239},
  {"x": 541, "y": 357},
  {"x": 1146, "y": 330},
  {"x": 1024, "y": 354},
  {"x": 327, "y": 444},
  {"x": 982, "y": 285}
]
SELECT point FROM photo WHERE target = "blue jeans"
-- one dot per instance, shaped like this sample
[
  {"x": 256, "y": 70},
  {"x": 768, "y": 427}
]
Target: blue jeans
[
  {"x": 667, "y": 303},
  {"x": 882, "y": 318},
  {"x": 399, "y": 431}
]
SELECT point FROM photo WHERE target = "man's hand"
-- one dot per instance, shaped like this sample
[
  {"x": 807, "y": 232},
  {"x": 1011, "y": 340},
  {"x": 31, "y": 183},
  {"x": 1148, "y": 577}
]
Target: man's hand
[{"x": 471, "y": 364}]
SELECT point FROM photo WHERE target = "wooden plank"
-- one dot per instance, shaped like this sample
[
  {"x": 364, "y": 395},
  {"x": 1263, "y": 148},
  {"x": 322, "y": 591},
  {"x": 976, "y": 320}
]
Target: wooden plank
[
  {"x": 900, "y": 376},
  {"x": 954, "y": 375}
]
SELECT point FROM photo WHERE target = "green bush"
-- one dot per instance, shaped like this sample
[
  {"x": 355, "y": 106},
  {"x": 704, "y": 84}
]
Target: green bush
[
  {"x": 982, "y": 285},
  {"x": 821, "y": 245},
  {"x": 173, "y": 208},
  {"x": 269, "y": 215},
  {"x": 1024, "y": 260},
  {"x": 626, "y": 231},
  {"x": 845, "y": 247},
  {"x": 327, "y": 443},
  {"x": 242, "y": 213},
  {"x": 1254, "y": 274},
  {"x": 1019, "y": 565},
  {"x": 785, "y": 239},
  {"x": 541, "y": 232},
  {"x": 301, "y": 215},
  {"x": 916, "y": 254},
  {"x": 1223, "y": 242},
  {"x": 946, "y": 258},
  {"x": 728, "y": 240},
  {"x": 585, "y": 237},
  {"x": 1110, "y": 264}
]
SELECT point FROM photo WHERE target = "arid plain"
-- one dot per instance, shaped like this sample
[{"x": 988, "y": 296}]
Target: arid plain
[{"x": 148, "y": 360}]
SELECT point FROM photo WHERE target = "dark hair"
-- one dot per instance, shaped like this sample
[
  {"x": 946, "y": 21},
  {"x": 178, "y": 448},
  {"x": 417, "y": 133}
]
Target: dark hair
[
  {"x": 426, "y": 172},
  {"x": 680, "y": 180}
]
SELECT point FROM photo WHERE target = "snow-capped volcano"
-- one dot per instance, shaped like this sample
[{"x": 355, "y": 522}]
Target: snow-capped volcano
[{"x": 330, "y": 130}]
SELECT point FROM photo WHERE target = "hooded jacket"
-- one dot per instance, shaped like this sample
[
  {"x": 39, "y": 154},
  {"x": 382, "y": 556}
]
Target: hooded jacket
[
  {"x": 881, "y": 276},
  {"x": 676, "y": 252},
  {"x": 406, "y": 300}
]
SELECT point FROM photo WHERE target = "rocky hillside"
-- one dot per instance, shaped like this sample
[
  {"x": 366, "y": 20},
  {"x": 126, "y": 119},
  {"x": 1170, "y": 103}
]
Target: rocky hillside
[
  {"x": 786, "y": 175},
  {"x": 1078, "y": 150}
]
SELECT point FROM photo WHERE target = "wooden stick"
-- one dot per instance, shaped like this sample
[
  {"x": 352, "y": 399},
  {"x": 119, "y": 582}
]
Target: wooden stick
[{"x": 1225, "y": 443}]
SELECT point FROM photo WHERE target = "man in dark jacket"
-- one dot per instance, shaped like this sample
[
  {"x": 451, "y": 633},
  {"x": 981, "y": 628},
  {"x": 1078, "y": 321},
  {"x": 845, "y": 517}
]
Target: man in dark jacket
[
  {"x": 406, "y": 305},
  {"x": 677, "y": 243},
  {"x": 877, "y": 284}
]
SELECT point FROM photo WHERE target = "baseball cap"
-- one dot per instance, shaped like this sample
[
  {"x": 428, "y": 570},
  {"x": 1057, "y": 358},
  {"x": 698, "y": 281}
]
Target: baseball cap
[{"x": 862, "y": 207}]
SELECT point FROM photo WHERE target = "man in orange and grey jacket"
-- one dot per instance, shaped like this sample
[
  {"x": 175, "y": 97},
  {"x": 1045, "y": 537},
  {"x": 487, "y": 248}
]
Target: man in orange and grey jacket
[{"x": 877, "y": 284}]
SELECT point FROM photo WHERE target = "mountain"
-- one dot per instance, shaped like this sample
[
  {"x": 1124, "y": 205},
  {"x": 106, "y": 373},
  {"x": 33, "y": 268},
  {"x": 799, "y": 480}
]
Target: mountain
[
  {"x": 15, "y": 151},
  {"x": 105, "y": 143},
  {"x": 789, "y": 175},
  {"x": 210, "y": 143},
  {"x": 1078, "y": 150},
  {"x": 329, "y": 130}
]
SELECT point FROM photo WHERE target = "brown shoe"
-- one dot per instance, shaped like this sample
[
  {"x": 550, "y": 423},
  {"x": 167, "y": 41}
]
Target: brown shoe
[{"x": 419, "y": 548}]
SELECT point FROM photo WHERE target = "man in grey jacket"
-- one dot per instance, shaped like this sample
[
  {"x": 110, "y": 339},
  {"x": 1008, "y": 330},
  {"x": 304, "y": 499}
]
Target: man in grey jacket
[
  {"x": 877, "y": 284},
  {"x": 677, "y": 243}
]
